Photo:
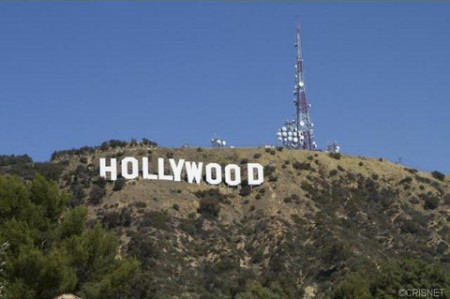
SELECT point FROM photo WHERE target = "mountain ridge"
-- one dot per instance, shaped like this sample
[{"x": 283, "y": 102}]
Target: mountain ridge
[{"x": 316, "y": 219}]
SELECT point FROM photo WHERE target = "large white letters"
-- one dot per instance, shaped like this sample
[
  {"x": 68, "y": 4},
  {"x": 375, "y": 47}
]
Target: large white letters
[
  {"x": 218, "y": 173},
  {"x": 161, "y": 175},
  {"x": 145, "y": 174},
  {"x": 251, "y": 167},
  {"x": 176, "y": 169},
  {"x": 237, "y": 175},
  {"x": 194, "y": 171},
  {"x": 112, "y": 168},
  {"x": 212, "y": 173},
  {"x": 134, "y": 168}
]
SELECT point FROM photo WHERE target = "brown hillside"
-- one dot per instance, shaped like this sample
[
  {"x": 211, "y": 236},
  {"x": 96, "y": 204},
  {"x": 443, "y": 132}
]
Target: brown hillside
[{"x": 315, "y": 219}]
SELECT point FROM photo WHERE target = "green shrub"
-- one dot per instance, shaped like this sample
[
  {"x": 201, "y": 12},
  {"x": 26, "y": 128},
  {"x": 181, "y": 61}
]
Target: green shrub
[
  {"x": 77, "y": 195},
  {"x": 96, "y": 195},
  {"x": 209, "y": 207},
  {"x": 258, "y": 256},
  {"x": 438, "y": 175},
  {"x": 411, "y": 170},
  {"x": 302, "y": 165},
  {"x": 431, "y": 202},
  {"x": 273, "y": 178},
  {"x": 101, "y": 182},
  {"x": 118, "y": 184},
  {"x": 245, "y": 191},
  {"x": 333, "y": 172},
  {"x": 244, "y": 161},
  {"x": 336, "y": 156},
  {"x": 269, "y": 170},
  {"x": 406, "y": 180},
  {"x": 155, "y": 219}
]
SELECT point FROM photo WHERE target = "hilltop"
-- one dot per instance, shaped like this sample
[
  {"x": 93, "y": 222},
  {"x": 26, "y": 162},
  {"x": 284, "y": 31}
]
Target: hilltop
[{"x": 318, "y": 219}]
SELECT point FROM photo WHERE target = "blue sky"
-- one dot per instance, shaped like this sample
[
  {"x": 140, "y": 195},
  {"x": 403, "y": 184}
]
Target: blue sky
[{"x": 377, "y": 75}]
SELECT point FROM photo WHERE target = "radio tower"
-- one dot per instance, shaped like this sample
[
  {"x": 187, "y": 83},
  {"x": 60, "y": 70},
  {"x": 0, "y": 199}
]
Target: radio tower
[{"x": 299, "y": 132}]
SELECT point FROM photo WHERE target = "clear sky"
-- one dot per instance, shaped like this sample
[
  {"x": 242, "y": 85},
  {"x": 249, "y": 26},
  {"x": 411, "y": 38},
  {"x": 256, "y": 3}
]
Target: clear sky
[{"x": 377, "y": 75}]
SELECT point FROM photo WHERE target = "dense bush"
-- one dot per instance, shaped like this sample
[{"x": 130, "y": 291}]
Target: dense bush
[
  {"x": 336, "y": 156},
  {"x": 257, "y": 156},
  {"x": 96, "y": 195},
  {"x": 6, "y": 160},
  {"x": 118, "y": 184},
  {"x": 78, "y": 194},
  {"x": 302, "y": 165},
  {"x": 101, "y": 182},
  {"x": 213, "y": 193},
  {"x": 112, "y": 219},
  {"x": 156, "y": 219},
  {"x": 392, "y": 277},
  {"x": 269, "y": 170},
  {"x": 406, "y": 180},
  {"x": 209, "y": 207},
  {"x": 438, "y": 175},
  {"x": 52, "y": 251},
  {"x": 111, "y": 144},
  {"x": 245, "y": 191},
  {"x": 431, "y": 202},
  {"x": 333, "y": 172}
]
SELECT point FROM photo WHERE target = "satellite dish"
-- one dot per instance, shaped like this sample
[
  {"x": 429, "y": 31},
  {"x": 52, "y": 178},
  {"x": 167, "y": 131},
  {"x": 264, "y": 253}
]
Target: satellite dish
[
  {"x": 218, "y": 141},
  {"x": 280, "y": 139},
  {"x": 295, "y": 139},
  {"x": 302, "y": 137},
  {"x": 224, "y": 142},
  {"x": 312, "y": 125},
  {"x": 289, "y": 133},
  {"x": 278, "y": 133},
  {"x": 302, "y": 123},
  {"x": 301, "y": 84},
  {"x": 283, "y": 128},
  {"x": 284, "y": 134},
  {"x": 290, "y": 138}
]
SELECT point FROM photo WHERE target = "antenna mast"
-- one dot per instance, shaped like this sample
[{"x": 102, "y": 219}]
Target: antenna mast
[{"x": 298, "y": 133}]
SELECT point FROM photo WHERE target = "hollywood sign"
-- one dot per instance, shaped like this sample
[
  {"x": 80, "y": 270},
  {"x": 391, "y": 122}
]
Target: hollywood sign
[{"x": 195, "y": 171}]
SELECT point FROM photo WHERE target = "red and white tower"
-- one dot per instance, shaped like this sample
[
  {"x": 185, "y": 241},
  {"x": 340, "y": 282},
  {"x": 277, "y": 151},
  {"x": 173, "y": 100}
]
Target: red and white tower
[{"x": 298, "y": 133}]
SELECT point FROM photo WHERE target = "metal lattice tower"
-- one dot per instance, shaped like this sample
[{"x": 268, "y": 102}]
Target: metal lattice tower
[{"x": 298, "y": 133}]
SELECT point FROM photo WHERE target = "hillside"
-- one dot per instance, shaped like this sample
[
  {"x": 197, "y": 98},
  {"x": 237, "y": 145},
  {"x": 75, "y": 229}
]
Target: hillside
[{"x": 316, "y": 219}]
